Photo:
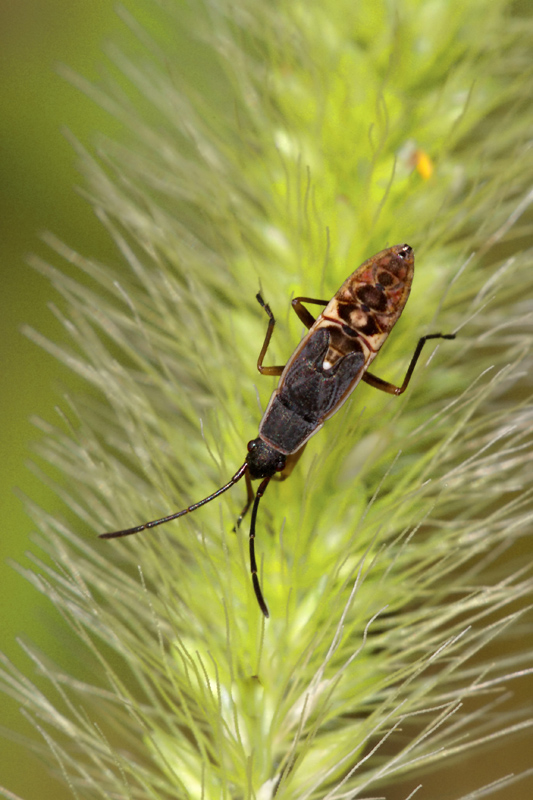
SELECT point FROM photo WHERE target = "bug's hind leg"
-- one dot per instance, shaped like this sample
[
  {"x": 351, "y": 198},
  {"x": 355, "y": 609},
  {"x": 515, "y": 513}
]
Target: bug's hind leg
[
  {"x": 271, "y": 323},
  {"x": 385, "y": 386},
  {"x": 303, "y": 314}
]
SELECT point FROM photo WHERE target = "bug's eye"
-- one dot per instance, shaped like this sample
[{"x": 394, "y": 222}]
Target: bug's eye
[
  {"x": 405, "y": 251},
  {"x": 252, "y": 445}
]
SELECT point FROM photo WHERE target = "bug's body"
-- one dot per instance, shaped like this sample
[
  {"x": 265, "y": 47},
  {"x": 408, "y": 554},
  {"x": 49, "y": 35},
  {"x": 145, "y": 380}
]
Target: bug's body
[
  {"x": 320, "y": 375},
  {"x": 341, "y": 344}
]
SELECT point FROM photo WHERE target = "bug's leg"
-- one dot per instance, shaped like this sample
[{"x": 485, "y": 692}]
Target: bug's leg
[
  {"x": 253, "y": 564},
  {"x": 249, "y": 500},
  {"x": 290, "y": 463},
  {"x": 271, "y": 322},
  {"x": 385, "y": 386},
  {"x": 305, "y": 315}
]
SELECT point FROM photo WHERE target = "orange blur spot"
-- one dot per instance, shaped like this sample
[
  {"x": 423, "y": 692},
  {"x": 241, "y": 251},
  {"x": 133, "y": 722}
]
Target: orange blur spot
[{"x": 423, "y": 164}]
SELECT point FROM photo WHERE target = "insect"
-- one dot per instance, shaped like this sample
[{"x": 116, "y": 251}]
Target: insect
[{"x": 320, "y": 375}]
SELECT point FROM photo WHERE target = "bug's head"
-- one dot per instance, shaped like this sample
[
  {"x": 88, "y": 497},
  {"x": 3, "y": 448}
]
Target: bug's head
[{"x": 263, "y": 460}]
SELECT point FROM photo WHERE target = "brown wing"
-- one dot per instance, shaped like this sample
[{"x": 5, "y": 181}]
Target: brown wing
[{"x": 309, "y": 392}]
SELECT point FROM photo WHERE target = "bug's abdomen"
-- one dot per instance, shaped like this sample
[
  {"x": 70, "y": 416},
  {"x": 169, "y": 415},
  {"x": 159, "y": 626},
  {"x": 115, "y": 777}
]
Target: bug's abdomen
[
  {"x": 369, "y": 303},
  {"x": 308, "y": 392}
]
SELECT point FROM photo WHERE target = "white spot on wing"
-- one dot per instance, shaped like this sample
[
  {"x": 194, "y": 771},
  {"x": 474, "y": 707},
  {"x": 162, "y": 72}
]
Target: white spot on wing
[{"x": 327, "y": 364}]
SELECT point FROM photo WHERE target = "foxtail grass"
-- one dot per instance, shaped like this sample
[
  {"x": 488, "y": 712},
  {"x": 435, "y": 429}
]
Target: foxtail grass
[{"x": 287, "y": 145}]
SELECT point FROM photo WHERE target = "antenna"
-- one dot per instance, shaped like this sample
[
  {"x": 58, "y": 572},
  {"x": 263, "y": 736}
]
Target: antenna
[
  {"x": 253, "y": 564},
  {"x": 129, "y": 531}
]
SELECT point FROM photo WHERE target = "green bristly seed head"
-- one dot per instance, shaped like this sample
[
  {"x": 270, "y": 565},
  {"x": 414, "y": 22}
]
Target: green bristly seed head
[{"x": 395, "y": 553}]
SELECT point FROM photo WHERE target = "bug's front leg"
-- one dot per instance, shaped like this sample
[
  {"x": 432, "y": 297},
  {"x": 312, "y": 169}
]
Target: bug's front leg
[
  {"x": 385, "y": 386},
  {"x": 291, "y": 462},
  {"x": 249, "y": 500}
]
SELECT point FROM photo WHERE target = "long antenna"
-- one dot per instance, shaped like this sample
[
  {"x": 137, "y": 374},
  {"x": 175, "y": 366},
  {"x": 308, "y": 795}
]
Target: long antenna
[
  {"x": 253, "y": 564},
  {"x": 129, "y": 531}
]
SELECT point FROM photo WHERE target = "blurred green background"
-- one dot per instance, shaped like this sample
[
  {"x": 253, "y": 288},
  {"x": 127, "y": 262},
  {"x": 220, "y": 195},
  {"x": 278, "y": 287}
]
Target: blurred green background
[{"x": 38, "y": 175}]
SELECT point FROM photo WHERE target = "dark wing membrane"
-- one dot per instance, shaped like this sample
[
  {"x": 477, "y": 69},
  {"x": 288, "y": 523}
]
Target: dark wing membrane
[
  {"x": 311, "y": 390},
  {"x": 309, "y": 393}
]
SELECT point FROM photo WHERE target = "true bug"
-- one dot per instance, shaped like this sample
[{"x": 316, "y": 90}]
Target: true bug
[{"x": 320, "y": 375}]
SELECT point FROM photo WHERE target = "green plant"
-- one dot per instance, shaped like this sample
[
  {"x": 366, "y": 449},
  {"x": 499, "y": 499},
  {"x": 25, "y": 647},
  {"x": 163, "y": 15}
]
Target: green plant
[{"x": 391, "y": 558}]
